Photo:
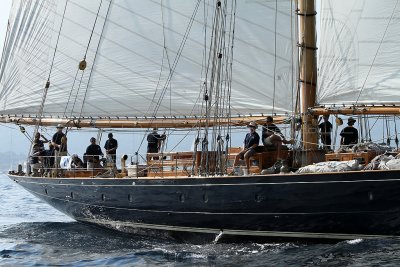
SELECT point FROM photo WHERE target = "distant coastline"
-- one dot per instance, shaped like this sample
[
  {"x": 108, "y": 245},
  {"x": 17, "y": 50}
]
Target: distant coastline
[{"x": 9, "y": 160}]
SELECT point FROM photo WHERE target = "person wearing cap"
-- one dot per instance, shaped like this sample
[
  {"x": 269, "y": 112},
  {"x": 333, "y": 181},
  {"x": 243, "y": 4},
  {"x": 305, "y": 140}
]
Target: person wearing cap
[
  {"x": 325, "y": 129},
  {"x": 49, "y": 159},
  {"x": 269, "y": 128},
  {"x": 37, "y": 153},
  {"x": 349, "y": 135},
  {"x": 111, "y": 146},
  {"x": 93, "y": 151},
  {"x": 154, "y": 140},
  {"x": 59, "y": 142},
  {"x": 272, "y": 136},
  {"x": 250, "y": 143},
  {"x": 56, "y": 140}
]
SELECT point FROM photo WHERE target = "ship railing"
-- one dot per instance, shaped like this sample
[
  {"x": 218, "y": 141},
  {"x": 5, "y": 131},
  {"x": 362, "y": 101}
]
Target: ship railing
[
  {"x": 156, "y": 165},
  {"x": 63, "y": 166}
]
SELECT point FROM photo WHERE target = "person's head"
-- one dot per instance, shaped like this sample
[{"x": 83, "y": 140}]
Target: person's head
[
  {"x": 155, "y": 130},
  {"x": 74, "y": 156},
  {"x": 252, "y": 126},
  {"x": 37, "y": 136},
  {"x": 110, "y": 135},
  {"x": 326, "y": 117},
  {"x": 93, "y": 140},
  {"x": 59, "y": 128},
  {"x": 269, "y": 119},
  {"x": 351, "y": 121}
]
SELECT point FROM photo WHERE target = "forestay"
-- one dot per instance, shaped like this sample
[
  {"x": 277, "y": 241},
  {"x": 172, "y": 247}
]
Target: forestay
[
  {"x": 359, "y": 52},
  {"x": 131, "y": 54}
]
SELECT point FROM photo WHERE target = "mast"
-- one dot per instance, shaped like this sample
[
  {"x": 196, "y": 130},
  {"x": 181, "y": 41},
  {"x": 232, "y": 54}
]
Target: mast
[{"x": 308, "y": 71}]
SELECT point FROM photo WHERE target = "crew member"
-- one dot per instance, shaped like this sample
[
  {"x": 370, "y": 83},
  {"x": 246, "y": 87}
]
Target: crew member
[
  {"x": 325, "y": 128},
  {"x": 272, "y": 137},
  {"x": 93, "y": 151},
  {"x": 111, "y": 146},
  {"x": 250, "y": 143},
  {"x": 76, "y": 162},
  {"x": 37, "y": 153},
  {"x": 154, "y": 141},
  {"x": 59, "y": 142},
  {"x": 349, "y": 134}
]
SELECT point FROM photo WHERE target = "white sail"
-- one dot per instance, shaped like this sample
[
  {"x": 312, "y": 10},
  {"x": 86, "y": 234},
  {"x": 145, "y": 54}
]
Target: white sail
[
  {"x": 130, "y": 57},
  {"x": 359, "y": 52}
]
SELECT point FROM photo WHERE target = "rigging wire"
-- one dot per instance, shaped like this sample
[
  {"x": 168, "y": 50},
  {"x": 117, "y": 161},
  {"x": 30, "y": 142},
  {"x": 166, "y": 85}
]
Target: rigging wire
[
  {"x": 94, "y": 26},
  {"x": 396, "y": 139},
  {"x": 361, "y": 127},
  {"x": 174, "y": 64},
  {"x": 96, "y": 52},
  {"x": 47, "y": 85},
  {"x": 70, "y": 93},
  {"x": 82, "y": 67},
  {"x": 165, "y": 55},
  {"x": 292, "y": 82},
  {"x": 369, "y": 130},
  {"x": 176, "y": 60},
  {"x": 210, "y": 84},
  {"x": 275, "y": 56},
  {"x": 387, "y": 130}
]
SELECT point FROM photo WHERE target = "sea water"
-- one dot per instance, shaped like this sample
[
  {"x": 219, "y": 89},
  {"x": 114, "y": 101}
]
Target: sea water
[{"x": 34, "y": 234}]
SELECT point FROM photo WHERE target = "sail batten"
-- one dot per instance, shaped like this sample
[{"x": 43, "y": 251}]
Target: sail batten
[{"x": 150, "y": 55}]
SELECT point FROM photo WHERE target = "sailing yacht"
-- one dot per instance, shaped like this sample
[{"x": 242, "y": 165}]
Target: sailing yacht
[{"x": 211, "y": 67}]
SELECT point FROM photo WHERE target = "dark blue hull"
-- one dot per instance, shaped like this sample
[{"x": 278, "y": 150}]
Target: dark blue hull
[{"x": 334, "y": 205}]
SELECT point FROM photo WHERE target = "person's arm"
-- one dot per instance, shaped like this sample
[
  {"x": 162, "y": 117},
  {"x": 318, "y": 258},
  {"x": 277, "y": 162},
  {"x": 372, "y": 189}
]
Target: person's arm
[
  {"x": 53, "y": 141},
  {"x": 44, "y": 138}
]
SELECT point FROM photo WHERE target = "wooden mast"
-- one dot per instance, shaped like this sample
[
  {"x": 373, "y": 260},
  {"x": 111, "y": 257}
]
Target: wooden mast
[{"x": 308, "y": 71}]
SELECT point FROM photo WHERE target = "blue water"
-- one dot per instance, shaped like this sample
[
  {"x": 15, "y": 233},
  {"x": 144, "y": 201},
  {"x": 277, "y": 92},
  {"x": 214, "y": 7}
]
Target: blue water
[{"x": 34, "y": 234}]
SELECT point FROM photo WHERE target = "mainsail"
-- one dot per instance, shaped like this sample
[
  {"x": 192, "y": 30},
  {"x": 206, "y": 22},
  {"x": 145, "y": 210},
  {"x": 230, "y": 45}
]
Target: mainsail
[
  {"x": 144, "y": 56},
  {"x": 359, "y": 52}
]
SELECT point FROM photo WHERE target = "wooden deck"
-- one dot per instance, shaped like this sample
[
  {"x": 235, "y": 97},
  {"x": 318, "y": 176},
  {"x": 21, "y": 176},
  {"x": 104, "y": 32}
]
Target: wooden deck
[{"x": 190, "y": 163}]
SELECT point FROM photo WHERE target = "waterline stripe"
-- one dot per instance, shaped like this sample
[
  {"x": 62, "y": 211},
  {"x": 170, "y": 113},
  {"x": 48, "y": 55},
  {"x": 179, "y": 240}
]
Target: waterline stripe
[{"x": 114, "y": 224}]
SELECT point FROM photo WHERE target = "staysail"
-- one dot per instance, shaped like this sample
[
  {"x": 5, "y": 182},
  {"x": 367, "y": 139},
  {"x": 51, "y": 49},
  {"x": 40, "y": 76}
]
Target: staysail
[
  {"x": 359, "y": 52},
  {"x": 141, "y": 55}
]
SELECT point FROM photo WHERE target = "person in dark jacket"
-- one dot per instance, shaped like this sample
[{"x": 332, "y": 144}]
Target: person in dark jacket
[
  {"x": 250, "y": 143},
  {"x": 325, "y": 129},
  {"x": 93, "y": 153},
  {"x": 349, "y": 134},
  {"x": 111, "y": 146},
  {"x": 154, "y": 140}
]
